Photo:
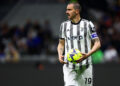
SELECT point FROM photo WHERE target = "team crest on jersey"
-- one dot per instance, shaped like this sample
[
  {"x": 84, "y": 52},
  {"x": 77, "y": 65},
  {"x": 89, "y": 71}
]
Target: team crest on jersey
[{"x": 68, "y": 30}]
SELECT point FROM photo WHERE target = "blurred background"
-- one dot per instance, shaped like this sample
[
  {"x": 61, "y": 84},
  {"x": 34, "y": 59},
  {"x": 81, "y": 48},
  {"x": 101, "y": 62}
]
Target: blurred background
[{"x": 29, "y": 32}]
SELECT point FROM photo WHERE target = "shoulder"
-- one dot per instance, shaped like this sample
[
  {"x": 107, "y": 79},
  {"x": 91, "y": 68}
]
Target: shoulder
[
  {"x": 90, "y": 23},
  {"x": 85, "y": 20}
]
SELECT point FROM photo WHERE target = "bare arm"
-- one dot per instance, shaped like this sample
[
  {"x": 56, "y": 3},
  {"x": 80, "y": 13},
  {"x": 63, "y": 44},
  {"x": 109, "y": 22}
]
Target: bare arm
[
  {"x": 95, "y": 47},
  {"x": 60, "y": 50},
  {"x": 96, "y": 42}
]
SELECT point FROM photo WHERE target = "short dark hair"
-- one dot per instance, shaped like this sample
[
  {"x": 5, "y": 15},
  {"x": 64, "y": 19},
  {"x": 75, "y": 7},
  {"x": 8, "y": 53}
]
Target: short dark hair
[{"x": 76, "y": 5}]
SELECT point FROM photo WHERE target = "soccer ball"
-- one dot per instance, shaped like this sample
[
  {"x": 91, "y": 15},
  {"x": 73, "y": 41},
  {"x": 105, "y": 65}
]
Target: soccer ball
[{"x": 73, "y": 55}]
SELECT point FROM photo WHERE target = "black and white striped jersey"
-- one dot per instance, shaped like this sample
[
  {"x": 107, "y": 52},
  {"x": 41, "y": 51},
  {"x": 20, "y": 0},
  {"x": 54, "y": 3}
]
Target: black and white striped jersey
[{"x": 78, "y": 35}]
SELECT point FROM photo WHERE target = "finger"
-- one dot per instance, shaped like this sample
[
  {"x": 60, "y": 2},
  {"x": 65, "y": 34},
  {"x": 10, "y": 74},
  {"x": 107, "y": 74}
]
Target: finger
[
  {"x": 83, "y": 53},
  {"x": 80, "y": 60},
  {"x": 61, "y": 61},
  {"x": 64, "y": 62},
  {"x": 62, "y": 56}
]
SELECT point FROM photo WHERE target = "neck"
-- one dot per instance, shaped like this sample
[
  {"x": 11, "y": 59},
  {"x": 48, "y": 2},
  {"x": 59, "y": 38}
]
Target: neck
[{"x": 76, "y": 19}]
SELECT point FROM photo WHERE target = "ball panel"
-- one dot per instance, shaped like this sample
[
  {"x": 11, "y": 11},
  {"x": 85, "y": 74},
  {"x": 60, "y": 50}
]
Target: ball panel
[
  {"x": 68, "y": 57},
  {"x": 73, "y": 55}
]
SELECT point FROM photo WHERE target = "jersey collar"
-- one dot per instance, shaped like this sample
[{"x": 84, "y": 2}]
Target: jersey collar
[{"x": 77, "y": 22}]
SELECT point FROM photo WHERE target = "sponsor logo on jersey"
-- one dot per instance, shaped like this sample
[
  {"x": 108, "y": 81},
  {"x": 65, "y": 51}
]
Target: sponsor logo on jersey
[{"x": 75, "y": 37}]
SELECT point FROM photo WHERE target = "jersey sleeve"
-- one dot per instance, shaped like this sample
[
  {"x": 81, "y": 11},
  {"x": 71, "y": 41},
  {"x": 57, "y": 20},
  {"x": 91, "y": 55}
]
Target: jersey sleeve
[
  {"x": 92, "y": 31},
  {"x": 61, "y": 32}
]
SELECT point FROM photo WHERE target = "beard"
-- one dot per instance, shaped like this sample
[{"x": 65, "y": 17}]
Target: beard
[{"x": 72, "y": 16}]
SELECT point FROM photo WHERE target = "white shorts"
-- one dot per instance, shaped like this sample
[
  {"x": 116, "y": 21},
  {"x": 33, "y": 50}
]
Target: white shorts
[{"x": 83, "y": 77}]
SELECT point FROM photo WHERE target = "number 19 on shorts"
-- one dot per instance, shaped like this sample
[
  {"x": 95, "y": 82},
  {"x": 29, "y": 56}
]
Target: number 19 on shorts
[{"x": 88, "y": 80}]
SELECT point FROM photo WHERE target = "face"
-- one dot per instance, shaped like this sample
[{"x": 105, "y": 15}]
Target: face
[{"x": 71, "y": 12}]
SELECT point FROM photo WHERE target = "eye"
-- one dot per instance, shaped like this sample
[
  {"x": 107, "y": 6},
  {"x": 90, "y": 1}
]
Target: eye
[{"x": 68, "y": 9}]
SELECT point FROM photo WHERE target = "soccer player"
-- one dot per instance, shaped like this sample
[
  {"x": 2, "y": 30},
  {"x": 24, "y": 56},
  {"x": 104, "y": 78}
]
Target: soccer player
[{"x": 80, "y": 34}]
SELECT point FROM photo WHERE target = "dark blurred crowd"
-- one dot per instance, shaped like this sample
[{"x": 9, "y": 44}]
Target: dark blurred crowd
[
  {"x": 33, "y": 38},
  {"x": 108, "y": 28},
  {"x": 30, "y": 39}
]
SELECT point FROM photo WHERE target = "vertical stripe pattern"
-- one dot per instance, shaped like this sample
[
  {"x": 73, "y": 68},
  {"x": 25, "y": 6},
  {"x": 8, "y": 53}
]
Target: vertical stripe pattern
[
  {"x": 79, "y": 44},
  {"x": 72, "y": 43},
  {"x": 60, "y": 33},
  {"x": 71, "y": 34},
  {"x": 77, "y": 36},
  {"x": 65, "y": 28},
  {"x": 86, "y": 46}
]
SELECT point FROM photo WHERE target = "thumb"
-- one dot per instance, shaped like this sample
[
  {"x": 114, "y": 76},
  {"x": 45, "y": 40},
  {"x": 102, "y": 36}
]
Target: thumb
[
  {"x": 83, "y": 53},
  {"x": 62, "y": 56}
]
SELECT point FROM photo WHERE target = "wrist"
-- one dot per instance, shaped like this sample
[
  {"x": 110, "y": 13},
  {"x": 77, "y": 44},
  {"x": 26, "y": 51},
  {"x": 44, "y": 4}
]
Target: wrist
[
  {"x": 60, "y": 55},
  {"x": 89, "y": 54}
]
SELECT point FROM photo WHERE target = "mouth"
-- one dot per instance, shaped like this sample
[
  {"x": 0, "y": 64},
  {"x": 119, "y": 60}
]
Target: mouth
[{"x": 68, "y": 15}]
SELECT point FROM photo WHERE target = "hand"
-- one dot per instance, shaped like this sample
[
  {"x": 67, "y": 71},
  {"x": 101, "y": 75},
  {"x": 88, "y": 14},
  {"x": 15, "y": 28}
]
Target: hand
[
  {"x": 84, "y": 56},
  {"x": 61, "y": 59}
]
